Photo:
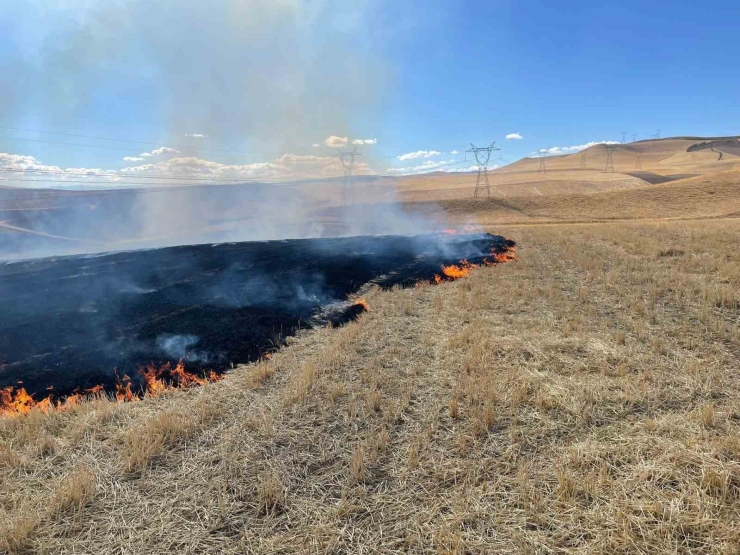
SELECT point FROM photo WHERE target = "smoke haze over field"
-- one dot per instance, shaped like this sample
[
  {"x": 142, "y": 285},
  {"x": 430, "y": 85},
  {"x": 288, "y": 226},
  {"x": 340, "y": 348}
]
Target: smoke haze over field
[
  {"x": 281, "y": 73},
  {"x": 267, "y": 78}
]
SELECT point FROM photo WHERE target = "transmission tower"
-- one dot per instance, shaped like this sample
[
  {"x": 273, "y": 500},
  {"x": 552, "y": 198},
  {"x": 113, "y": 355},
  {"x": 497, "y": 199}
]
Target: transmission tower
[
  {"x": 609, "y": 159},
  {"x": 634, "y": 137},
  {"x": 348, "y": 162},
  {"x": 657, "y": 134},
  {"x": 583, "y": 158},
  {"x": 638, "y": 163},
  {"x": 482, "y": 156},
  {"x": 543, "y": 165},
  {"x": 624, "y": 137}
]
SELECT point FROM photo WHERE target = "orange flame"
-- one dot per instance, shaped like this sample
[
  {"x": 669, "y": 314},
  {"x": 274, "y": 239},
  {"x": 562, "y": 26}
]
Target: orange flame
[
  {"x": 156, "y": 380},
  {"x": 363, "y": 303},
  {"x": 165, "y": 378},
  {"x": 15, "y": 401},
  {"x": 464, "y": 268}
]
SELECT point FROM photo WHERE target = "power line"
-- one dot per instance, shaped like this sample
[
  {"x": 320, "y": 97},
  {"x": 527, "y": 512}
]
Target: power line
[
  {"x": 347, "y": 159},
  {"x": 543, "y": 165},
  {"x": 112, "y": 139},
  {"x": 609, "y": 159},
  {"x": 482, "y": 156},
  {"x": 188, "y": 177},
  {"x": 624, "y": 137},
  {"x": 128, "y": 141}
]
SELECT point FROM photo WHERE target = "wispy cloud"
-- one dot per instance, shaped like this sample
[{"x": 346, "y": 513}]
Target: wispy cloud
[
  {"x": 514, "y": 136},
  {"x": 132, "y": 158},
  {"x": 316, "y": 145},
  {"x": 419, "y": 154},
  {"x": 195, "y": 135},
  {"x": 365, "y": 141}
]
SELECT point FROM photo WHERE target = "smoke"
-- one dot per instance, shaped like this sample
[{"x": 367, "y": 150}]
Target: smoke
[
  {"x": 276, "y": 74},
  {"x": 182, "y": 347},
  {"x": 271, "y": 78}
]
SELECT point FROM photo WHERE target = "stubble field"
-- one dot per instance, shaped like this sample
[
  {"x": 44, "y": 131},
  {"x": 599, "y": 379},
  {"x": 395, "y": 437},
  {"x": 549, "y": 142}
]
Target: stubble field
[{"x": 581, "y": 399}]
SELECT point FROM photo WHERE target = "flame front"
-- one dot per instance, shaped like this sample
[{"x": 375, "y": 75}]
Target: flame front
[
  {"x": 17, "y": 401},
  {"x": 464, "y": 268},
  {"x": 363, "y": 303}
]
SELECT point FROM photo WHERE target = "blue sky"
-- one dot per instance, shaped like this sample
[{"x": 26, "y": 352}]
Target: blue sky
[{"x": 265, "y": 80}]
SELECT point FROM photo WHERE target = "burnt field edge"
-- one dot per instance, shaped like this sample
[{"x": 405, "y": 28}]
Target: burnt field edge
[{"x": 81, "y": 322}]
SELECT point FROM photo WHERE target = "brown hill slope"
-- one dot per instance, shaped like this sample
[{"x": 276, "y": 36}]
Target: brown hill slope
[
  {"x": 711, "y": 196},
  {"x": 636, "y": 165}
]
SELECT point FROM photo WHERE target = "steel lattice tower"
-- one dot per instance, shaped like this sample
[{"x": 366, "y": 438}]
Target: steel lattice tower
[
  {"x": 543, "y": 165},
  {"x": 583, "y": 158},
  {"x": 609, "y": 159},
  {"x": 482, "y": 156},
  {"x": 347, "y": 195},
  {"x": 624, "y": 137},
  {"x": 638, "y": 163},
  {"x": 634, "y": 137}
]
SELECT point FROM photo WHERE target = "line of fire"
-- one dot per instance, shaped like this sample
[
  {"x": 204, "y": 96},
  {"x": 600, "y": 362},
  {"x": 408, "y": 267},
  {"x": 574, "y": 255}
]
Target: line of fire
[{"x": 133, "y": 324}]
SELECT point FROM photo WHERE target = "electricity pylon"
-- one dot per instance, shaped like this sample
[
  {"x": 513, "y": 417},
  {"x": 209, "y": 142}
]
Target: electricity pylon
[
  {"x": 609, "y": 159},
  {"x": 482, "y": 156},
  {"x": 657, "y": 134},
  {"x": 638, "y": 163},
  {"x": 583, "y": 158},
  {"x": 347, "y": 195},
  {"x": 634, "y": 137},
  {"x": 543, "y": 165},
  {"x": 624, "y": 137}
]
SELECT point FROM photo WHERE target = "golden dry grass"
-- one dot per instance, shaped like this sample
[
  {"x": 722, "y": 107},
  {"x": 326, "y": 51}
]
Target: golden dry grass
[
  {"x": 711, "y": 196},
  {"x": 583, "y": 399}
]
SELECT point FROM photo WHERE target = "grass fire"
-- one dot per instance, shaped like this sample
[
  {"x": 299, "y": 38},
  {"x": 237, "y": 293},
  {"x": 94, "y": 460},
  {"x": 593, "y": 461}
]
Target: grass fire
[
  {"x": 178, "y": 318},
  {"x": 384, "y": 278}
]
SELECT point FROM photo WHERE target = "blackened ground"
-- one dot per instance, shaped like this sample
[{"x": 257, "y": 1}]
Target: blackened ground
[{"x": 72, "y": 321}]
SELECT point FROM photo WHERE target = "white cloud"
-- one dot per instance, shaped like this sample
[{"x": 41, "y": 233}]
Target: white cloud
[
  {"x": 195, "y": 135},
  {"x": 365, "y": 141},
  {"x": 288, "y": 166},
  {"x": 316, "y": 145},
  {"x": 472, "y": 168},
  {"x": 165, "y": 150},
  {"x": 556, "y": 150},
  {"x": 514, "y": 136},
  {"x": 454, "y": 152},
  {"x": 419, "y": 154},
  {"x": 25, "y": 165},
  {"x": 336, "y": 142},
  {"x": 132, "y": 158},
  {"x": 428, "y": 165},
  {"x": 159, "y": 151}
]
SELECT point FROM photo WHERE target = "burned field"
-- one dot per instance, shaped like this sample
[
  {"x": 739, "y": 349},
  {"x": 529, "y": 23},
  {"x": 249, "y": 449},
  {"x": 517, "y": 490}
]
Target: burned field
[{"x": 77, "y": 322}]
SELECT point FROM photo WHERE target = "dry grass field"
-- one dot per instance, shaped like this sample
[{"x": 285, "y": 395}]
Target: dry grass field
[
  {"x": 582, "y": 173},
  {"x": 582, "y": 399}
]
